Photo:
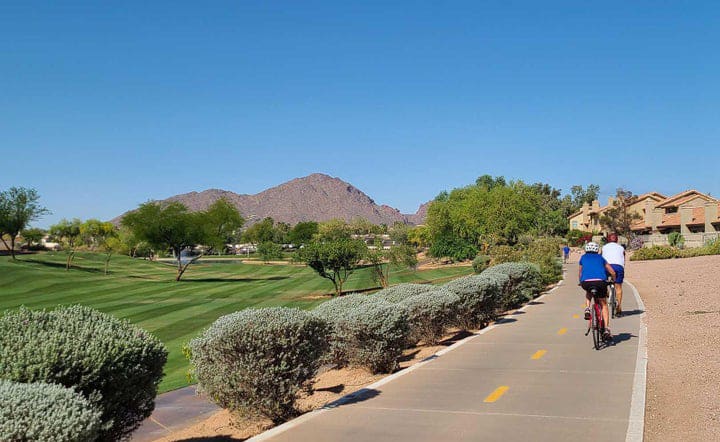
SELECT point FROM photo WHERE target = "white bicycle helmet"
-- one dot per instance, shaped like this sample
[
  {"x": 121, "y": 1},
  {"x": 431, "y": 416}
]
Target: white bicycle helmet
[{"x": 592, "y": 247}]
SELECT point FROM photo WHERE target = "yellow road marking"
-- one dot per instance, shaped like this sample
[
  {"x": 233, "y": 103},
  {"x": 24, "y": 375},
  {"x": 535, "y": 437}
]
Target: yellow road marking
[
  {"x": 562, "y": 331},
  {"x": 576, "y": 316},
  {"x": 495, "y": 395},
  {"x": 539, "y": 354}
]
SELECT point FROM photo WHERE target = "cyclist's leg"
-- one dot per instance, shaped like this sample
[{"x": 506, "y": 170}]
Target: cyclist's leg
[
  {"x": 605, "y": 311},
  {"x": 618, "y": 296}
]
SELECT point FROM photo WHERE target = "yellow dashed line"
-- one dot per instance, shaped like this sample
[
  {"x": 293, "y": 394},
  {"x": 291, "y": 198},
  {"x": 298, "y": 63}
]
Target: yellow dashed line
[
  {"x": 562, "y": 331},
  {"x": 497, "y": 394},
  {"x": 538, "y": 354},
  {"x": 576, "y": 316}
]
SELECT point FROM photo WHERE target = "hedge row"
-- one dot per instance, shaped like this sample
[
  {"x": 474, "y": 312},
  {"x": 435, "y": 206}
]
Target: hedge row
[
  {"x": 257, "y": 361},
  {"x": 114, "y": 365},
  {"x": 668, "y": 252}
]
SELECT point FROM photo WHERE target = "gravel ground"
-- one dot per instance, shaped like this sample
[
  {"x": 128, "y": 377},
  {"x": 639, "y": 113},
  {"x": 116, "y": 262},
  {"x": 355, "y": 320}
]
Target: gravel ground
[{"x": 682, "y": 299}]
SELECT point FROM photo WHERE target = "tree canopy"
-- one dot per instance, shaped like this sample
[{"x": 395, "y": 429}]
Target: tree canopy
[
  {"x": 334, "y": 259},
  {"x": 495, "y": 211},
  {"x": 19, "y": 206},
  {"x": 172, "y": 227}
]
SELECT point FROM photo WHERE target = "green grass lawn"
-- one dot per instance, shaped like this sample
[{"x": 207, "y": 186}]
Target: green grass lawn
[{"x": 146, "y": 294}]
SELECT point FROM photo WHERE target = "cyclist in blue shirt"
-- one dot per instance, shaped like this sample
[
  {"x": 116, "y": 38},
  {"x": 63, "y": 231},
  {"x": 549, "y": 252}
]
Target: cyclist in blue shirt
[
  {"x": 566, "y": 253},
  {"x": 593, "y": 274}
]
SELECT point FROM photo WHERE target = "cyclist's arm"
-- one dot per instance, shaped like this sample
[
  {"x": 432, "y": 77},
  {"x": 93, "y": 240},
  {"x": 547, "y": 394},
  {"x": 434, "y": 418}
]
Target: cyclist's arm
[
  {"x": 580, "y": 274},
  {"x": 610, "y": 270}
]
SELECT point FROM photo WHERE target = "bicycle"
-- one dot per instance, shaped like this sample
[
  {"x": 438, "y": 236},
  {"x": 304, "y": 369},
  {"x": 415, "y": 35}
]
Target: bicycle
[
  {"x": 612, "y": 300},
  {"x": 596, "y": 323}
]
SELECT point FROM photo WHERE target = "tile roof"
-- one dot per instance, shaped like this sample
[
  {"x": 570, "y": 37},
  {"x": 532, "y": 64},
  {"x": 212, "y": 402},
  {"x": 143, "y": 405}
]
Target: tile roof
[{"x": 682, "y": 197}]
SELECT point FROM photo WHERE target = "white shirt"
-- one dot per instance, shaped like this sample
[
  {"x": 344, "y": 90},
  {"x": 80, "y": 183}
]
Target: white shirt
[{"x": 614, "y": 253}]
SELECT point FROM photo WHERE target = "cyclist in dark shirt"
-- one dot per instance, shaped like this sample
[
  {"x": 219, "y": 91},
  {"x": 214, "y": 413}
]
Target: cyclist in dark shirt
[{"x": 593, "y": 274}]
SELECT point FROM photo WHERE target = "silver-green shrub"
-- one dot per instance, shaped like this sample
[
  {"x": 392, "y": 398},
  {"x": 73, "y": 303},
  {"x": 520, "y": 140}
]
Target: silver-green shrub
[
  {"x": 430, "y": 314},
  {"x": 112, "y": 363},
  {"x": 47, "y": 413},
  {"x": 400, "y": 292},
  {"x": 255, "y": 361},
  {"x": 480, "y": 297},
  {"x": 371, "y": 335},
  {"x": 525, "y": 282},
  {"x": 335, "y": 310}
]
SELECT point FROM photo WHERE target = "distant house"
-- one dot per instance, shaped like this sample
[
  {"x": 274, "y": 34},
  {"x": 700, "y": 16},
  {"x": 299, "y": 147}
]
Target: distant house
[{"x": 689, "y": 212}]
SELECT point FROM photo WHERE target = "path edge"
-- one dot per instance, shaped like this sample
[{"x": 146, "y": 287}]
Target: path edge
[
  {"x": 636, "y": 421},
  {"x": 357, "y": 394}
]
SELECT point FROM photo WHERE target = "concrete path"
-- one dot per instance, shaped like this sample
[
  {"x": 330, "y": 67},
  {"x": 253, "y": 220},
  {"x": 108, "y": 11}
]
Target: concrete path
[
  {"x": 174, "y": 411},
  {"x": 533, "y": 377}
]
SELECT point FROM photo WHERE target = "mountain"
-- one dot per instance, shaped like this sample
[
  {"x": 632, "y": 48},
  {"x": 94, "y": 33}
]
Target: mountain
[{"x": 317, "y": 197}]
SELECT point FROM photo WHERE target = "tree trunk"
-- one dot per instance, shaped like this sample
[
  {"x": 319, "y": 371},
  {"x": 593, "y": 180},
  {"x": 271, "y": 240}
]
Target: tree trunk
[
  {"x": 107, "y": 263},
  {"x": 338, "y": 287},
  {"x": 12, "y": 246}
]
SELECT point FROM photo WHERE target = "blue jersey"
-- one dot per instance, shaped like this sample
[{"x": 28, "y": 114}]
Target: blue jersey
[
  {"x": 566, "y": 250},
  {"x": 593, "y": 267}
]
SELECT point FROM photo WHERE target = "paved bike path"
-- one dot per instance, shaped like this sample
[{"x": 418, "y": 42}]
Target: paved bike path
[{"x": 535, "y": 376}]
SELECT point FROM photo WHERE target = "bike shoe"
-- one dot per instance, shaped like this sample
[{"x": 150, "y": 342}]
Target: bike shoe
[
  {"x": 607, "y": 335},
  {"x": 618, "y": 312},
  {"x": 587, "y": 312}
]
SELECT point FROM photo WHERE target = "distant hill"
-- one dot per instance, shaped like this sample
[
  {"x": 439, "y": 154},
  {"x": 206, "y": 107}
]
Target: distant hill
[{"x": 317, "y": 197}]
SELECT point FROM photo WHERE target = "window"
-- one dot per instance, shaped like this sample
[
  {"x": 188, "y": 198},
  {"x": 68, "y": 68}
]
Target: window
[{"x": 575, "y": 225}]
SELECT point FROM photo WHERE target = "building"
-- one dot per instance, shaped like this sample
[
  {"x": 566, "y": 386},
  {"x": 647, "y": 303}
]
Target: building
[{"x": 693, "y": 214}]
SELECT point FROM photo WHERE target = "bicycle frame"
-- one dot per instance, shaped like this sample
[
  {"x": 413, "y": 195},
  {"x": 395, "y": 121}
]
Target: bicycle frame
[{"x": 596, "y": 323}]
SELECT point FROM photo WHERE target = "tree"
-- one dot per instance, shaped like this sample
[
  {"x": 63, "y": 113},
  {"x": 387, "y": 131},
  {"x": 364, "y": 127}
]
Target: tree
[
  {"x": 168, "y": 226},
  {"x": 269, "y": 251},
  {"x": 67, "y": 233},
  {"x": 302, "y": 232},
  {"x": 334, "y": 260},
  {"x": 33, "y": 235},
  {"x": 419, "y": 236},
  {"x": 581, "y": 196},
  {"x": 401, "y": 255},
  {"x": 110, "y": 246},
  {"x": 103, "y": 236},
  {"x": 334, "y": 229},
  {"x": 258, "y": 233},
  {"x": 94, "y": 232},
  {"x": 619, "y": 218},
  {"x": 18, "y": 208},
  {"x": 223, "y": 221},
  {"x": 362, "y": 226}
]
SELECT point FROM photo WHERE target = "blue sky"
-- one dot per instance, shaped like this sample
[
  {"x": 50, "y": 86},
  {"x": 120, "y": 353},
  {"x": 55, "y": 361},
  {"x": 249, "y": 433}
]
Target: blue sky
[{"x": 106, "y": 105}]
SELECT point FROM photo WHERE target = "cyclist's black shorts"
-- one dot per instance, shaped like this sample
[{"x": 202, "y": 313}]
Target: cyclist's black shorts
[{"x": 601, "y": 287}]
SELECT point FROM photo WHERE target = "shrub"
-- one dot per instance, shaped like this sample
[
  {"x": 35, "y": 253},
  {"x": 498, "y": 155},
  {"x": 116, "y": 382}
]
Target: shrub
[
  {"x": 45, "y": 412},
  {"x": 332, "y": 312},
  {"x": 114, "y": 364},
  {"x": 480, "y": 263},
  {"x": 480, "y": 296},
  {"x": 675, "y": 239},
  {"x": 400, "y": 292},
  {"x": 545, "y": 253},
  {"x": 655, "y": 252},
  {"x": 255, "y": 361},
  {"x": 372, "y": 335},
  {"x": 502, "y": 253},
  {"x": 430, "y": 314},
  {"x": 523, "y": 284}
]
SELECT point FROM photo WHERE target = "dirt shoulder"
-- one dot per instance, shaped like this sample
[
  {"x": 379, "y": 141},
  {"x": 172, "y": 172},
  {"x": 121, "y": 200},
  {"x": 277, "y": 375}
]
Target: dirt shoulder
[{"x": 682, "y": 300}]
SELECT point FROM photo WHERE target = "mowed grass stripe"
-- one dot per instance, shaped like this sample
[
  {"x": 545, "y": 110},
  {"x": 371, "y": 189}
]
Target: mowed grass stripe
[{"x": 146, "y": 294}]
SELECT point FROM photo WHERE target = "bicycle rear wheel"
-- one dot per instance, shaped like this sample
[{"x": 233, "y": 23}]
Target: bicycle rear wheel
[{"x": 595, "y": 328}]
